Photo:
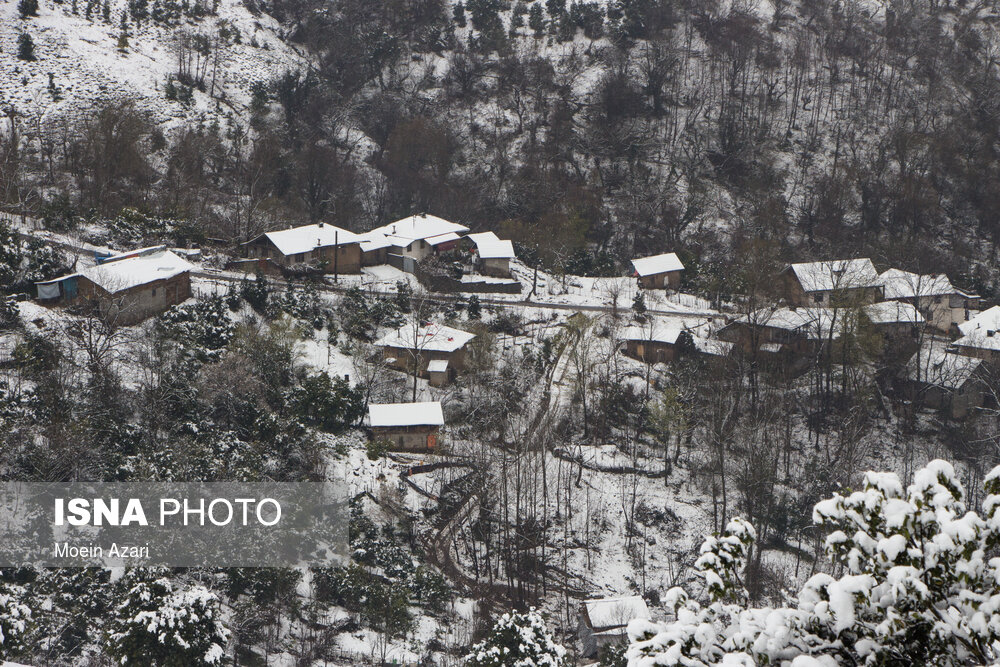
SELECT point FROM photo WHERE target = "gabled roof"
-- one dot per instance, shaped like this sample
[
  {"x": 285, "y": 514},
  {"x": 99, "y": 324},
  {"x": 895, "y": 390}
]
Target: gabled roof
[
  {"x": 835, "y": 274},
  {"x": 899, "y": 284},
  {"x": 648, "y": 266},
  {"x": 892, "y": 312},
  {"x": 443, "y": 238},
  {"x": 427, "y": 413},
  {"x": 491, "y": 246},
  {"x": 812, "y": 323},
  {"x": 988, "y": 319},
  {"x": 429, "y": 338},
  {"x": 656, "y": 334},
  {"x": 606, "y": 613},
  {"x": 406, "y": 231},
  {"x": 131, "y": 269},
  {"x": 712, "y": 346},
  {"x": 308, "y": 237},
  {"x": 982, "y": 331},
  {"x": 941, "y": 368}
]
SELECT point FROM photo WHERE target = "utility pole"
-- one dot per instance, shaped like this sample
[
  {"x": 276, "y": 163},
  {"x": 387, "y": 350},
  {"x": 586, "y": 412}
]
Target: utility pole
[{"x": 336, "y": 256}]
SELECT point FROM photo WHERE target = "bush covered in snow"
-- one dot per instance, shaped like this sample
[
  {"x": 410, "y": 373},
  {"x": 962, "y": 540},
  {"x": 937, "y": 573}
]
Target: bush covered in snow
[
  {"x": 518, "y": 640},
  {"x": 163, "y": 624},
  {"x": 920, "y": 585},
  {"x": 14, "y": 618},
  {"x": 203, "y": 327}
]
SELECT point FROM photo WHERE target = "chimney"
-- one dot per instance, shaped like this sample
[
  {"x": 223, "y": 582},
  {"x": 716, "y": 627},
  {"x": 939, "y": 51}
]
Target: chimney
[{"x": 319, "y": 224}]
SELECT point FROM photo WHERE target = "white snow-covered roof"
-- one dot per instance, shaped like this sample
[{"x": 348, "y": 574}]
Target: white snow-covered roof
[
  {"x": 657, "y": 334},
  {"x": 813, "y": 323},
  {"x": 437, "y": 366},
  {"x": 615, "y": 612},
  {"x": 431, "y": 338},
  {"x": 648, "y": 266},
  {"x": 936, "y": 366},
  {"x": 414, "y": 228},
  {"x": 982, "y": 331},
  {"x": 427, "y": 413},
  {"x": 443, "y": 238},
  {"x": 712, "y": 346},
  {"x": 891, "y": 312},
  {"x": 309, "y": 237},
  {"x": 131, "y": 269},
  {"x": 899, "y": 284},
  {"x": 988, "y": 320},
  {"x": 836, "y": 274},
  {"x": 491, "y": 246}
]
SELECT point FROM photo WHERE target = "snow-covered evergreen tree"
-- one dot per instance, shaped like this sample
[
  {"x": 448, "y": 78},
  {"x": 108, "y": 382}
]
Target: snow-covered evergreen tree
[
  {"x": 160, "y": 624},
  {"x": 14, "y": 618},
  {"x": 518, "y": 640},
  {"x": 920, "y": 585}
]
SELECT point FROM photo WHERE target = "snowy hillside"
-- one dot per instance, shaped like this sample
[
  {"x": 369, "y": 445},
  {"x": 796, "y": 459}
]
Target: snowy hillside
[{"x": 78, "y": 63}]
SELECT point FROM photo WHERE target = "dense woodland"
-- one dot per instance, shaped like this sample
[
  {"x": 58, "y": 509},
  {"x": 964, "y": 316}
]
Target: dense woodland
[
  {"x": 645, "y": 125},
  {"x": 741, "y": 135}
]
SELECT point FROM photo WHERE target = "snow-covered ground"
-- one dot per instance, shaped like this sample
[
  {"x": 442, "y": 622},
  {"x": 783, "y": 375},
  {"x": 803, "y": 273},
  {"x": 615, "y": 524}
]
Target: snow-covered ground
[{"x": 82, "y": 60}]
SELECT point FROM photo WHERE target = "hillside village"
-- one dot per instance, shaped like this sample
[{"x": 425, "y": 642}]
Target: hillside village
[
  {"x": 926, "y": 343},
  {"x": 640, "y": 332}
]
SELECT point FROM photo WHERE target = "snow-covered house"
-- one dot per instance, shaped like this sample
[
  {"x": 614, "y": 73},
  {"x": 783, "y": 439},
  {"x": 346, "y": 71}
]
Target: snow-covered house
[
  {"x": 659, "y": 271},
  {"x": 899, "y": 323},
  {"x": 336, "y": 250},
  {"x": 980, "y": 336},
  {"x": 127, "y": 287},
  {"x": 797, "y": 332},
  {"x": 416, "y": 237},
  {"x": 408, "y": 427},
  {"x": 493, "y": 254},
  {"x": 652, "y": 344},
  {"x": 941, "y": 303},
  {"x": 604, "y": 621},
  {"x": 836, "y": 282},
  {"x": 949, "y": 382},
  {"x": 432, "y": 350}
]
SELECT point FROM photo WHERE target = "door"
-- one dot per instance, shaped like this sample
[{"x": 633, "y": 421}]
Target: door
[{"x": 432, "y": 440}]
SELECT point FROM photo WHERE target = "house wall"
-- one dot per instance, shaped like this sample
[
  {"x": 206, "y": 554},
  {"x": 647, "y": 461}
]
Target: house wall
[
  {"x": 498, "y": 267},
  {"x": 348, "y": 255},
  {"x": 404, "y": 357},
  {"x": 409, "y": 438},
  {"x": 992, "y": 356},
  {"x": 374, "y": 257},
  {"x": 797, "y": 296},
  {"x": 957, "y": 404},
  {"x": 669, "y": 279},
  {"x": 138, "y": 303},
  {"x": 651, "y": 351},
  {"x": 945, "y": 312}
]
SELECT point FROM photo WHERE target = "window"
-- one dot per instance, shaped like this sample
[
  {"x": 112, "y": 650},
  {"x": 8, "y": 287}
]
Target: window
[
  {"x": 154, "y": 291},
  {"x": 818, "y": 297},
  {"x": 298, "y": 258}
]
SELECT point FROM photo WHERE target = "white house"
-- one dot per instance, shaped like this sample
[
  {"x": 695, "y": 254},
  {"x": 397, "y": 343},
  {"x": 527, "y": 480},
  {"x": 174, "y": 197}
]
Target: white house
[
  {"x": 946, "y": 381},
  {"x": 941, "y": 303},
  {"x": 818, "y": 283},
  {"x": 494, "y": 254},
  {"x": 129, "y": 286},
  {"x": 412, "y": 427},
  {"x": 416, "y": 236},
  {"x": 659, "y": 271},
  {"x": 604, "y": 621},
  {"x": 980, "y": 337},
  {"x": 426, "y": 346},
  {"x": 337, "y": 249}
]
